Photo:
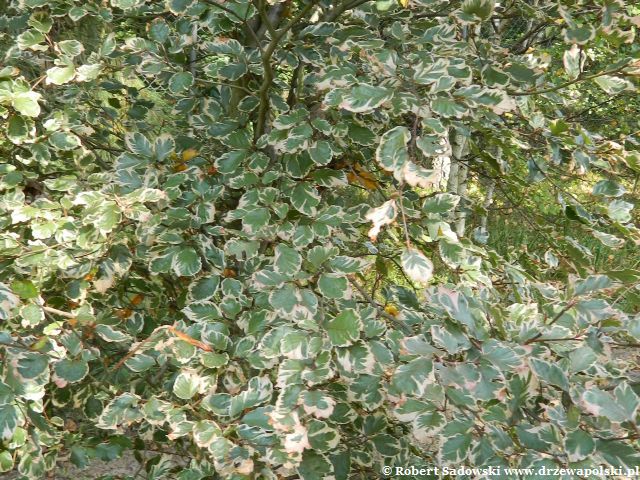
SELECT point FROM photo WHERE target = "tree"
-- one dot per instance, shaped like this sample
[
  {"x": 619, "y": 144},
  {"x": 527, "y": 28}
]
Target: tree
[{"x": 185, "y": 205}]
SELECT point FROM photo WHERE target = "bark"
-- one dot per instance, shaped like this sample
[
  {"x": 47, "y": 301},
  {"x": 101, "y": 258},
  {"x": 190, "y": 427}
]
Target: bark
[
  {"x": 458, "y": 176},
  {"x": 193, "y": 53},
  {"x": 488, "y": 200}
]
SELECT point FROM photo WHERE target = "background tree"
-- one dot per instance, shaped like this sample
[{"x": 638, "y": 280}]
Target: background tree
[{"x": 185, "y": 200}]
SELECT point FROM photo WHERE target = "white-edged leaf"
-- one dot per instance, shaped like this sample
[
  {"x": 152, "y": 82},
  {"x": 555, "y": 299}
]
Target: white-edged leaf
[
  {"x": 344, "y": 328},
  {"x": 417, "y": 267},
  {"x": 287, "y": 261},
  {"x": 187, "y": 262},
  {"x": 380, "y": 216},
  {"x": 26, "y": 103}
]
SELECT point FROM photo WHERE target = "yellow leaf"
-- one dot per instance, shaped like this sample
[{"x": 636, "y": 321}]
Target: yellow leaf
[
  {"x": 392, "y": 310},
  {"x": 359, "y": 175},
  {"x": 188, "y": 154},
  {"x": 229, "y": 273},
  {"x": 123, "y": 313},
  {"x": 404, "y": 3},
  {"x": 137, "y": 300}
]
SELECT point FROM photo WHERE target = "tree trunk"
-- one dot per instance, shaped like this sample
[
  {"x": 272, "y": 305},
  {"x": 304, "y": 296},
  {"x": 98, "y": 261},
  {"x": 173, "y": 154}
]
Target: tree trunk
[{"x": 458, "y": 175}]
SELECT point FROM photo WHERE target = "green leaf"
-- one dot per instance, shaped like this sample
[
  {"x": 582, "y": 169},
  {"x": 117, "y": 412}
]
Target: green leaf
[
  {"x": 202, "y": 311},
  {"x": 318, "y": 403},
  {"x": 109, "y": 334},
  {"x": 314, "y": 466},
  {"x": 187, "y": 262},
  {"x": 25, "y": 289},
  {"x": 26, "y": 103},
  {"x": 232, "y": 71},
  {"x": 31, "y": 39},
  {"x": 608, "y": 240},
  {"x": 175, "y": 6},
  {"x": 322, "y": 437},
  {"x": 186, "y": 385},
  {"x": 344, "y": 264},
  {"x": 180, "y": 82},
  {"x": 17, "y": 129},
  {"x": 613, "y": 85},
  {"x": 140, "y": 362},
  {"x": 365, "y": 98},
  {"x": 71, "y": 371},
  {"x": 573, "y": 60},
  {"x": 320, "y": 254},
  {"x": 618, "y": 454},
  {"x": 579, "y": 34},
  {"x": 60, "y": 75},
  {"x": 164, "y": 146},
  {"x": 138, "y": 144},
  {"x": 32, "y": 315},
  {"x": 6, "y": 459},
  {"x": 477, "y": 10},
  {"x": 344, "y": 328},
  {"x": 41, "y": 21},
  {"x": 608, "y": 188},
  {"x": 413, "y": 378},
  {"x": 121, "y": 411},
  {"x": 214, "y": 360},
  {"x": 550, "y": 373},
  {"x": 321, "y": 152},
  {"x": 204, "y": 288},
  {"x": 64, "y": 141},
  {"x": 417, "y": 267},
  {"x": 392, "y": 153},
  {"x": 9, "y": 421},
  {"x": 32, "y": 365},
  {"x": 440, "y": 203},
  {"x": 620, "y": 211},
  {"x": 305, "y": 198},
  {"x": 287, "y": 260},
  {"x": 628, "y": 400},
  {"x": 386, "y": 445},
  {"x": 255, "y": 219},
  {"x": 361, "y": 135},
  {"x": 76, "y": 13},
  {"x": 448, "y": 108},
  {"x": 582, "y": 358},
  {"x": 159, "y": 31},
  {"x": 579, "y": 445},
  {"x": 456, "y": 448},
  {"x": 603, "y": 404},
  {"x": 331, "y": 285},
  {"x": 125, "y": 4},
  {"x": 71, "y": 48}
]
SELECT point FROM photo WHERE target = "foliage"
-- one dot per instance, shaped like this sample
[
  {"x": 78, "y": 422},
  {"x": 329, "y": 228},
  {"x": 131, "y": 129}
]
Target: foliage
[{"x": 205, "y": 208}]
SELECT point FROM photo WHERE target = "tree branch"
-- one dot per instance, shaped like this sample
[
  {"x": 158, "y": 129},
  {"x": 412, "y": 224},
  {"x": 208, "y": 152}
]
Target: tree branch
[
  {"x": 267, "y": 80},
  {"x": 580, "y": 78},
  {"x": 399, "y": 323}
]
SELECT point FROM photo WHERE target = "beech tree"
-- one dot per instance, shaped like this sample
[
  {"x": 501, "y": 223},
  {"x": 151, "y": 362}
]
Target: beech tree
[{"x": 258, "y": 234}]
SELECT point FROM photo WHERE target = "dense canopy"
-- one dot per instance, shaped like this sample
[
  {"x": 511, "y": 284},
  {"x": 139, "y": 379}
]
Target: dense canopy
[{"x": 310, "y": 239}]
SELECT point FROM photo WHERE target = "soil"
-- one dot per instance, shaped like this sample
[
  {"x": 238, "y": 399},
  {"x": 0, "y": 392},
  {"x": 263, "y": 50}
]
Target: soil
[{"x": 122, "y": 468}]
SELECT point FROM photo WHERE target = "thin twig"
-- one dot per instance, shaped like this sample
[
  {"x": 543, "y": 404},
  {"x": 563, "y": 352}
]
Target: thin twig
[
  {"x": 55, "y": 311},
  {"x": 404, "y": 218},
  {"x": 565, "y": 309},
  {"x": 403, "y": 326},
  {"x": 580, "y": 78}
]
